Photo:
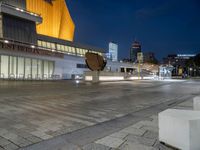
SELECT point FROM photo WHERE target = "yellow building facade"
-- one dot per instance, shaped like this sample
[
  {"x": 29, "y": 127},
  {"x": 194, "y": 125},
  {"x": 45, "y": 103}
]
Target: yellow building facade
[{"x": 57, "y": 21}]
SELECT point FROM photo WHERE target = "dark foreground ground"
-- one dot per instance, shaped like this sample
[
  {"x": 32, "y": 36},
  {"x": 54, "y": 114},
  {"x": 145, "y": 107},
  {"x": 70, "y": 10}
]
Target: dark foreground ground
[{"x": 65, "y": 115}]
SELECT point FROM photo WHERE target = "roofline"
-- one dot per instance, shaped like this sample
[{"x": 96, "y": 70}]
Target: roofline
[{"x": 69, "y": 43}]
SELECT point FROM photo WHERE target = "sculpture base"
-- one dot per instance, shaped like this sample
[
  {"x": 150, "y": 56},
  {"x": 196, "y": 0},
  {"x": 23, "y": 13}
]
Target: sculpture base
[{"x": 98, "y": 76}]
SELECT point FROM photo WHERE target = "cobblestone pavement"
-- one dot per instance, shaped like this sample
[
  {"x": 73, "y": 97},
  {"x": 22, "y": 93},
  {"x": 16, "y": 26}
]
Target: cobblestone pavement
[
  {"x": 140, "y": 136},
  {"x": 33, "y": 112}
]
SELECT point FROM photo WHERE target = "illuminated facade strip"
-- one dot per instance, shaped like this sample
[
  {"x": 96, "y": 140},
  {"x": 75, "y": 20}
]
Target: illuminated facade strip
[{"x": 57, "y": 21}]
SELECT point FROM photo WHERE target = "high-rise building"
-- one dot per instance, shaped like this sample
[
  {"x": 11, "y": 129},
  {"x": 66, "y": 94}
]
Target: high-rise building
[
  {"x": 113, "y": 51},
  {"x": 135, "y": 49}
]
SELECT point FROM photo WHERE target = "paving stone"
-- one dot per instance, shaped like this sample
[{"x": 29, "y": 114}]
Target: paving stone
[
  {"x": 135, "y": 146},
  {"x": 151, "y": 128},
  {"x": 151, "y": 135},
  {"x": 11, "y": 146},
  {"x": 3, "y": 141},
  {"x": 138, "y": 125},
  {"x": 120, "y": 135},
  {"x": 34, "y": 139},
  {"x": 134, "y": 131},
  {"x": 160, "y": 146},
  {"x": 10, "y": 135},
  {"x": 95, "y": 146},
  {"x": 3, "y": 131},
  {"x": 110, "y": 142},
  {"x": 24, "y": 134},
  {"x": 19, "y": 126},
  {"x": 150, "y": 123},
  {"x": 46, "y": 137},
  {"x": 140, "y": 140},
  {"x": 1, "y": 148},
  {"x": 21, "y": 142}
]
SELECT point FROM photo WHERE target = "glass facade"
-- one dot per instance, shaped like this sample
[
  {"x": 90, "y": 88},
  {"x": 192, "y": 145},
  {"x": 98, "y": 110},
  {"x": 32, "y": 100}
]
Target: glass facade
[
  {"x": 25, "y": 68},
  {"x": 66, "y": 49}
]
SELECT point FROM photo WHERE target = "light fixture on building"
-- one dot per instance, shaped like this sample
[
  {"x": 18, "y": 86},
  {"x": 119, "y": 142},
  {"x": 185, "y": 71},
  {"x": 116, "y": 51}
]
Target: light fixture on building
[
  {"x": 18, "y": 9},
  {"x": 32, "y": 46},
  {"x": 6, "y": 41}
]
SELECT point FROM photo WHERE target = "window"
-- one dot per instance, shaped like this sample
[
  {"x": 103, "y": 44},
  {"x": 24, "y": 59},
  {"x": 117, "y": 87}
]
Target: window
[
  {"x": 51, "y": 68},
  {"x": 46, "y": 69},
  {"x": 28, "y": 68},
  {"x": 78, "y": 51},
  {"x": 62, "y": 48},
  {"x": 81, "y": 66},
  {"x": 58, "y": 47},
  {"x": 53, "y": 46},
  {"x": 13, "y": 66},
  {"x": 20, "y": 67},
  {"x": 44, "y": 44},
  {"x": 34, "y": 68},
  {"x": 39, "y": 43},
  {"x": 4, "y": 66},
  {"x": 73, "y": 50},
  {"x": 40, "y": 68},
  {"x": 66, "y": 48},
  {"x": 48, "y": 45}
]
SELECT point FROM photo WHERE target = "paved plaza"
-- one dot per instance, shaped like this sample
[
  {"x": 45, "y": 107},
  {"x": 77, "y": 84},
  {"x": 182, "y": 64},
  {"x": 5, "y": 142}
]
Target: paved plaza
[{"x": 63, "y": 115}]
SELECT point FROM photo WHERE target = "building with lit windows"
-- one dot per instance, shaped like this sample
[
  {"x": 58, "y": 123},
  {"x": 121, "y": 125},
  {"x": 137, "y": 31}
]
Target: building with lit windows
[
  {"x": 36, "y": 41},
  {"x": 113, "y": 51},
  {"x": 179, "y": 63},
  {"x": 135, "y": 49}
]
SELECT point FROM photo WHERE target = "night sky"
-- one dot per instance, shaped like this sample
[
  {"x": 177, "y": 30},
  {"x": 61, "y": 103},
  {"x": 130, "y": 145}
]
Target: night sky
[{"x": 161, "y": 26}]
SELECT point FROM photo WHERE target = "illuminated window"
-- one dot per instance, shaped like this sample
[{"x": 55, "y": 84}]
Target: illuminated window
[
  {"x": 73, "y": 50},
  {"x": 53, "y": 46},
  {"x": 66, "y": 48},
  {"x": 39, "y": 43},
  {"x": 84, "y": 52},
  {"x": 78, "y": 51},
  {"x": 70, "y": 49},
  {"x": 62, "y": 48},
  {"x": 58, "y": 47},
  {"x": 48, "y": 45},
  {"x": 44, "y": 44}
]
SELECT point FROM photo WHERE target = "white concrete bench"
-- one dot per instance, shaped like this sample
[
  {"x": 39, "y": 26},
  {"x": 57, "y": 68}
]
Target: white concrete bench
[
  {"x": 196, "y": 103},
  {"x": 180, "y": 128}
]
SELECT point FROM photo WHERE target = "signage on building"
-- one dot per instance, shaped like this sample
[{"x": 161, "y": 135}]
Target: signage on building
[
  {"x": 36, "y": 51},
  {"x": 140, "y": 57},
  {"x": 186, "y": 55}
]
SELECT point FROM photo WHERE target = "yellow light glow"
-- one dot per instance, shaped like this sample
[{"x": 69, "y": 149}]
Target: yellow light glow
[{"x": 57, "y": 21}]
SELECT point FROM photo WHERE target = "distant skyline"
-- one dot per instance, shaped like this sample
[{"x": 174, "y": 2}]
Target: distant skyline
[{"x": 161, "y": 26}]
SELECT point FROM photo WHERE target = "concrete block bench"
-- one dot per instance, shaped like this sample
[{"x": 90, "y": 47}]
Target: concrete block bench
[
  {"x": 180, "y": 129},
  {"x": 196, "y": 103}
]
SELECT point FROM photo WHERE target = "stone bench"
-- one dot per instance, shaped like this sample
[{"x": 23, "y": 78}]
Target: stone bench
[
  {"x": 196, "y": 103},
  {"x": 180, "y": 128}
]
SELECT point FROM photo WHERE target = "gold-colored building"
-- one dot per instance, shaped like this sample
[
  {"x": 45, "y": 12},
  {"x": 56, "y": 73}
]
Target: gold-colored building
[{"x": 57, "y": 21}]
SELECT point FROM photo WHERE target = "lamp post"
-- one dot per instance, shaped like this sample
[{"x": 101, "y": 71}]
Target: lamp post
[{"x": 140, "y": 60}]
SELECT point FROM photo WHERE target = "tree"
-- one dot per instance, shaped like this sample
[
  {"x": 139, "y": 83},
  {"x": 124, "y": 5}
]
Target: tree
[{"x": 197, "y": 60}]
